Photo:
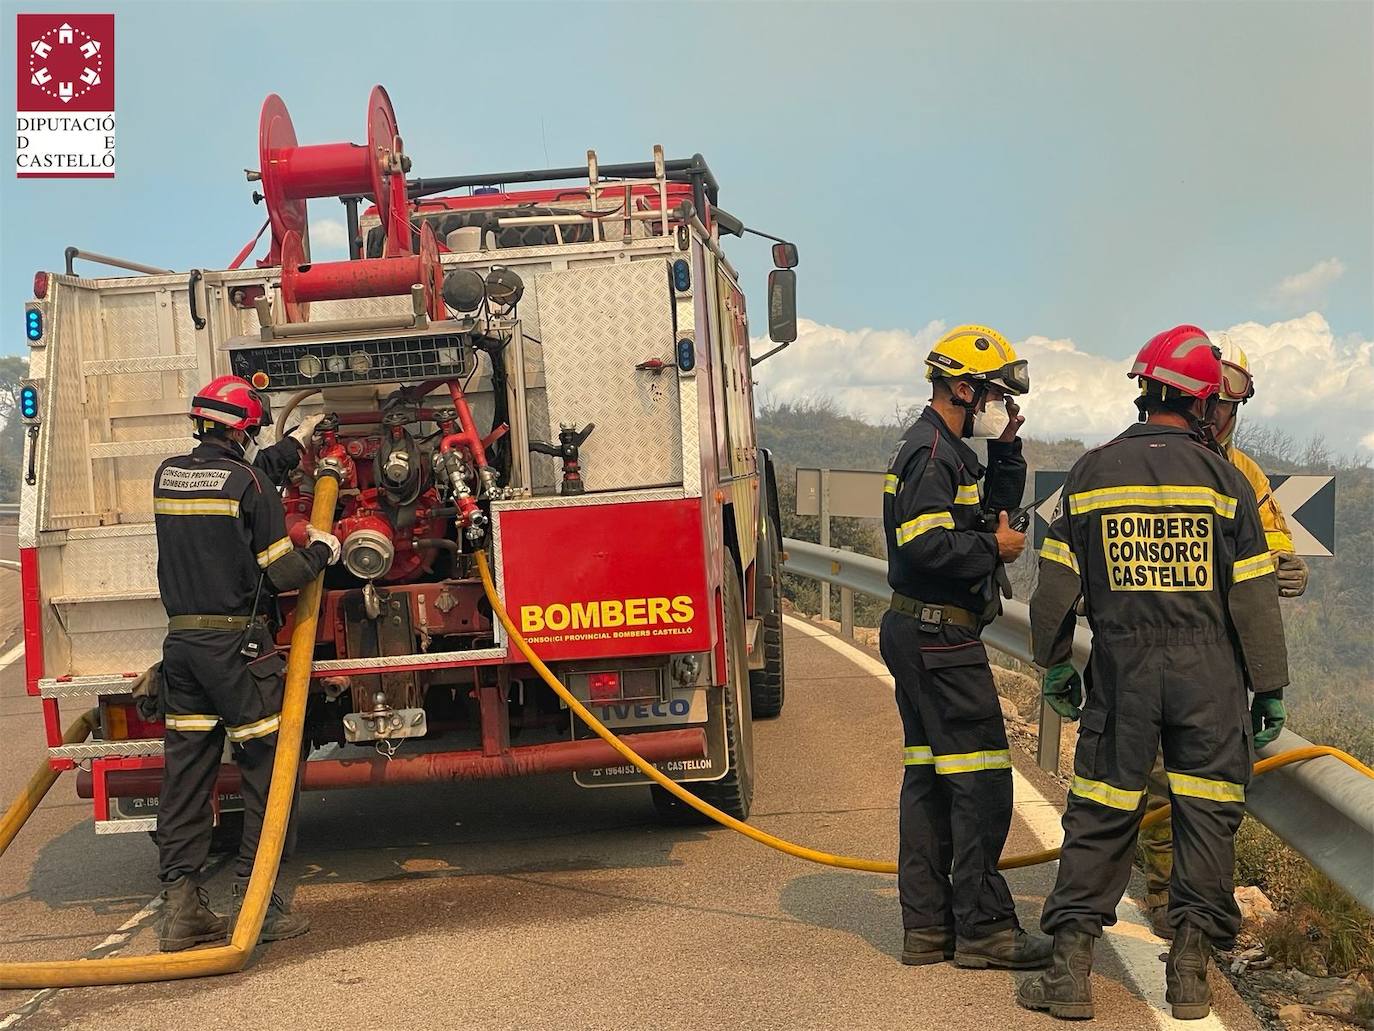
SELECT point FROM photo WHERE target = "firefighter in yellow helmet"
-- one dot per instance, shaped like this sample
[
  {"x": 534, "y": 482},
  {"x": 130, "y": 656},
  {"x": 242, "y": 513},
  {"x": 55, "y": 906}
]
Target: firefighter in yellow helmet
[
  {"x": 945, "y": 518},
  {"x": 1237, "y": 387}
]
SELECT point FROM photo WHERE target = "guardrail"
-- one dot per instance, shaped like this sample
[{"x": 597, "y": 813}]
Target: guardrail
[{"x": 1321, "y": 807}]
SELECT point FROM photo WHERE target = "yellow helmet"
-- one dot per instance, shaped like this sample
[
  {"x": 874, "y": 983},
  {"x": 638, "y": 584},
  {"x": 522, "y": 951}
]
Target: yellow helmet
[
  {"x": 978, "y": 353},
  {"x": 1236, "y": 382}
]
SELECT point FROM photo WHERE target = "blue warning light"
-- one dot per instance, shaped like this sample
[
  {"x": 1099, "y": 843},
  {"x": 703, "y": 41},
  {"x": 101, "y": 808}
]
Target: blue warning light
[
  {"x": 682, "y": 275},
  {"x": 33, "y": 324},
  {"x": 28, "y": 402},
  {"x": 686, "y": 354}
]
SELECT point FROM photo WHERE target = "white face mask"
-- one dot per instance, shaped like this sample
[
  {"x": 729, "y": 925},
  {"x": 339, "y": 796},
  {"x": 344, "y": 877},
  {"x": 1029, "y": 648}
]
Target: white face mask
[
  {"x": 992, "y": 420},
  {"x": 250, "y": 449}
]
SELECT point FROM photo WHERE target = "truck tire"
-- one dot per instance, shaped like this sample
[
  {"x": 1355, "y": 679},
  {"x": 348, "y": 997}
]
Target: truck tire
[
  {"x": 733, "y": 793},
  {"x": 766, "y": 686}
]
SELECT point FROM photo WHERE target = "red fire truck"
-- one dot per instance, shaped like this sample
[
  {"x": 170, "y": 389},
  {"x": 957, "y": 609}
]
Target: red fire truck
[{"x": 550, "y": 365}]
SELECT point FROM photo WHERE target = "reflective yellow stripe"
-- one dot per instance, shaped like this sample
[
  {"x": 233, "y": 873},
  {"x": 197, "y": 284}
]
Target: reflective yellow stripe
[
  {"x": 972, "y": 762},
  {"x": 967, "y": 494},
  {"x": 1105, "y": 794},
  {"x": 191, "y": 723},
  {"x": 917, "y": 755},
  {"x": 1058, "y": 551},
  {"x": 1202, "y": 787},
  {"x": 1164, "y": 496},
  {"x": 913, "y": 528},
  {"x": 261, "y": 728},
  {"x": 891, "y": 484},
  {"x": 274, "y": 552},
  {"x": 196, "y": 506},
  {"x": 1249, "y": 568},
  {"x": 1277, "y": 540}
]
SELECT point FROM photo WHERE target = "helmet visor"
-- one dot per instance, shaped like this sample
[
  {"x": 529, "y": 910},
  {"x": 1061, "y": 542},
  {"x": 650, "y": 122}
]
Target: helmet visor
[
  {"x": 1236, "y": 383},
  {"x": 266, "y": 418},
  {"x": 1015, "y": 376}
]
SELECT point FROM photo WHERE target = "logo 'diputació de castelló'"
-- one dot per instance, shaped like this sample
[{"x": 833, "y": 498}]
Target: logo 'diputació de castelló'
[{"x": 65, "y": 118}]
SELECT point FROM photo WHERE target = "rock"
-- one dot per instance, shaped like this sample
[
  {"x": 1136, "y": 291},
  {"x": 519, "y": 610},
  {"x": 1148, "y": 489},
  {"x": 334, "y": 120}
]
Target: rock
[
  {"x": 1254, "y": 905},
  {"x": 1022, "y": 690},
  {"x": 1009, "y": 710},
  {"x": 1292, "y": 1014}
]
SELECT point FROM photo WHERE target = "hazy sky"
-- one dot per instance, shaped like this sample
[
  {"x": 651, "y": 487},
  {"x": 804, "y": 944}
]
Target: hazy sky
[{"x": 1084, "y": 173}]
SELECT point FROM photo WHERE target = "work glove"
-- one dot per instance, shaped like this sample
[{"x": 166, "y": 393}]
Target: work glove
[
  {"x": 1292, "y": 572},
  {"x": 319, "y": 536},
  {"x": 305, "y": 430},
  {"x": 1267, "y": 717},
  {"x": 1063, "y": 689}
]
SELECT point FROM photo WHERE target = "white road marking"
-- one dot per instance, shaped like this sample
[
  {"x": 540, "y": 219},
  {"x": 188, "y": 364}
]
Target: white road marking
[
  {"x": 108, "y": 947},
  {"x": 1131, "y": 938},
  {"x": 11, "y": 655}
]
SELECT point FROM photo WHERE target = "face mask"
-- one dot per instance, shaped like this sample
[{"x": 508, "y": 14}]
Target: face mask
[
  {"x": 991, "y": 421},
  {"x": 250, "y": 449},
  {"x": 1223, "y": 437}
]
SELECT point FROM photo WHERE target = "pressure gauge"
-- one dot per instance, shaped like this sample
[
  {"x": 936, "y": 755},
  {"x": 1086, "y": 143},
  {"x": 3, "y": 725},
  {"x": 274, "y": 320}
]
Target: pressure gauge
[
  {"x": 336, "y": 363},
  {"x": 359, "y": 363},
  {"x": 309, "y": 366}
]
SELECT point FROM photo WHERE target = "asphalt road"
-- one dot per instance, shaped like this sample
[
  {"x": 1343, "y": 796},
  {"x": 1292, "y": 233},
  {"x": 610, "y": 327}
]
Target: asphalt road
[{"x": 535, "y": 904}]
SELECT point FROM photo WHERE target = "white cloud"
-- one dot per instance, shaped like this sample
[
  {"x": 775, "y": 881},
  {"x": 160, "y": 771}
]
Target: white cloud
[
  {"x": 1307, "y": 380},
  {"x": 1307, "y": 289},
  {"x": 328, "y": 239}
]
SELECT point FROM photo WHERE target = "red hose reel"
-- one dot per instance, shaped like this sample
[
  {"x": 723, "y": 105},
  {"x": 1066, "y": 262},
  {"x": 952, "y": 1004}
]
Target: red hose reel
[{"x": 292, "y": 174}]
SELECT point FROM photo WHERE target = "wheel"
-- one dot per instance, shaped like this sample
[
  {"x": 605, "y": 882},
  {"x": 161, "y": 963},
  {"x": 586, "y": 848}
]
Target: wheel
[
  {"x": 766, "y": 686},
  {"x": 733, "y": 793}
]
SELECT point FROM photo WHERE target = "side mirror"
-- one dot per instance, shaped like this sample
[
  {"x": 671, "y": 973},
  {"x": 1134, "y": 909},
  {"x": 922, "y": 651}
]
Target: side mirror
[
  {"x": 782, "y": 305},
  {"x": 785, "y": 255}
]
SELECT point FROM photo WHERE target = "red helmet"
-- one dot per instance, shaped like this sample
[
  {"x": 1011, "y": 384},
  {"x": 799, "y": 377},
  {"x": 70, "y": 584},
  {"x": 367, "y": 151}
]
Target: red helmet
[
  {"x": 231, "y": 402},
  {"x": 1182, "y": 358}
]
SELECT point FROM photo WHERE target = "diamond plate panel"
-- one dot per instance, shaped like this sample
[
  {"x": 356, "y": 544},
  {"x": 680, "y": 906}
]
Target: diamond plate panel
[
  {"x": 141, "y": 823},
  {"x": 100, "y": 749},
  {"x": 597, "y": 325}
]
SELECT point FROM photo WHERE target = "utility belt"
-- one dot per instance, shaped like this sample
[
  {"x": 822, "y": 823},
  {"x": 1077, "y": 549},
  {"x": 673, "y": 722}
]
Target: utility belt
[
  {"x": 932, "y": 617},
  {"x": 226, "y": 623}
]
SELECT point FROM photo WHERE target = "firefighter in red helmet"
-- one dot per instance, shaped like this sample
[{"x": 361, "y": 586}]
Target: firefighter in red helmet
[
  {"x": 223, "y": 554},
  {"x": 1161, "y": 538}
]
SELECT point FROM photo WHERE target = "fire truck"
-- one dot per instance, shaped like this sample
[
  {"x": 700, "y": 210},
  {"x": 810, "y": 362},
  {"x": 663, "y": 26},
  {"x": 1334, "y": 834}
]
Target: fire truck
[{"x": 550, "y": 365}]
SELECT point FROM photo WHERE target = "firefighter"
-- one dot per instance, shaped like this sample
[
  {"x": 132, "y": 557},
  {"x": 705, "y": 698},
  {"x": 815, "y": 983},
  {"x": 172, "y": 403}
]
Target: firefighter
[
  {"x": 1161, "y": 537},
  {"x": 946, "y": 539},
  {"x": 1237, "y": 387},
  {"x": 223, "y": 553}
]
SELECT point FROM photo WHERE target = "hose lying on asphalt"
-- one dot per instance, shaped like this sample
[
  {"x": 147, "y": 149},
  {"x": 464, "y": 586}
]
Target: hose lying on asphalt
[
  {"x": 226, "y": 959},
  {"x": 789, "y": 847},
  {"x": 222, "y": 959}
]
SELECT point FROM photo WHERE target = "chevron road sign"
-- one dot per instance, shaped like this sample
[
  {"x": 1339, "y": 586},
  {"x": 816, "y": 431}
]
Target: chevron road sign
[{"x": 1308, "y": 503}]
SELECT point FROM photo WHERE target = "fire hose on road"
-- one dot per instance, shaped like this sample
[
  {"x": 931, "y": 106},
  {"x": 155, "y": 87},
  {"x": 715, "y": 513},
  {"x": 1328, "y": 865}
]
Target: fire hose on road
[
  {"x": 222, "y": 959},
  {"x": 231, "y": 958}
]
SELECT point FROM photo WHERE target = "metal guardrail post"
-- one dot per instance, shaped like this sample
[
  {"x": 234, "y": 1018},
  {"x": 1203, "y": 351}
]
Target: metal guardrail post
[
  {"x": 1047, "y": 744},
  {"x": 846, "y": 609},
  {"x": 825, "y": 538},
  {"x": 1321, "y": 807}
]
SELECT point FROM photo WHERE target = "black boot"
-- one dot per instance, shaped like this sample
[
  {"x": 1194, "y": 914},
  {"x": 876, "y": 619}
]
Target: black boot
[
  {"x": 1066, "y": 988},
  {"x": 1185, "y": 974},
  {"x": 279, "y": 923},
  {"x": 187, "y": 919},
  {"x": 1009, "y": 949},
  {"x": 922, "y": 945}
]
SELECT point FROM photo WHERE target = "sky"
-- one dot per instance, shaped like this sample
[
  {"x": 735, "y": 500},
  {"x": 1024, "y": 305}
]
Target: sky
[{"x": 1079, "y": 176}]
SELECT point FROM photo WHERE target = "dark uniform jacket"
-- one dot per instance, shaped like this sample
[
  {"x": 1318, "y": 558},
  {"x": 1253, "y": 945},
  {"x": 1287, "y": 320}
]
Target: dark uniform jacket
[
  {"x": 1162, "y": 537},
  {"x": 940, "y": 549},
  {"x": 221, "y": 529}
]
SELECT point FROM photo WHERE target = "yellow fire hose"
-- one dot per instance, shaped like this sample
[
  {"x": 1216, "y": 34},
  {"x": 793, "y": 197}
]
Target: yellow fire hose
[
  {"x": 791, "y": 848},
  {"x": 231, "y": 958},
  {"x": 222, "y": 959}
]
